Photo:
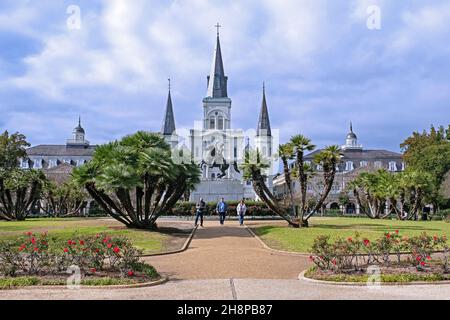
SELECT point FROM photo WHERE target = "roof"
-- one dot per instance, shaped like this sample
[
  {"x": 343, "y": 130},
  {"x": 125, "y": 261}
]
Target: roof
[
  {"x": 217, "y": 81},
  {"x": 59, "y": 174},
  {"x": 362, "y": 154},
  {"x": 61, "y": 150}
]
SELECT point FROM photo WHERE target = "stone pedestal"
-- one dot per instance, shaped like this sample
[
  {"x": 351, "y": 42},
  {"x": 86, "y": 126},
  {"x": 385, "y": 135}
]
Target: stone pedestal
[{"x": 214, "y": 190}]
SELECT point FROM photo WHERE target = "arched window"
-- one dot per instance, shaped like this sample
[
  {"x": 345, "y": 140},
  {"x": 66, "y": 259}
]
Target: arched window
[
  {"x": 212, "y": 123},
  {"x": 220, "y": 124}
]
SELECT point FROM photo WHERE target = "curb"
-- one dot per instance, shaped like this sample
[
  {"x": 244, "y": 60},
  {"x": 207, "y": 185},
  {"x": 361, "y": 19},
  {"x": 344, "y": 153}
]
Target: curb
[
  {"x": 301, "y": 276},
  {"x": 184, "y": 248},
  {"x": 299, "y": 254},
  {"x": 113, "y": 287}
]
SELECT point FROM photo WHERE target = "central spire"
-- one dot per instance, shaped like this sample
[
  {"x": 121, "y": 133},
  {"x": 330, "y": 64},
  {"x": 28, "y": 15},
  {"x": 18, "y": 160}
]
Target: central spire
[
  {"x": 263, "y": 128},
  {"x": 169, "y": 120},
  {"x": 217, "y": 81}
]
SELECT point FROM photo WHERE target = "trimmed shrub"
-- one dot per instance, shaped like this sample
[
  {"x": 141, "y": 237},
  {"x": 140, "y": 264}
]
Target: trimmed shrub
[{"x": 254, "y": 208}]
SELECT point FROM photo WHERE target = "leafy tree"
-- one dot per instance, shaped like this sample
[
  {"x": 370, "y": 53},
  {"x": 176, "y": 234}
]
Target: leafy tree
[
  {"x": 12, "y": 148},
  {"x": 135, "y": 180},
  {"x": 19, "y": 192},
  {"x": 63, "y": 200},
  {"x": 429, "y": 152}
]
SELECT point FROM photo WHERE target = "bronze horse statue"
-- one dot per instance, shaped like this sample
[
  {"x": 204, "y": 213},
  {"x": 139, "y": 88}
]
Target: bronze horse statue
[{"x": 223, "y": 167}]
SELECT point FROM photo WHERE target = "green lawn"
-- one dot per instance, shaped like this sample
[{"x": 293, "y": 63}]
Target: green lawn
[
  {"x": 149, "y": 241},
  {"x": 300, "y": 240}
]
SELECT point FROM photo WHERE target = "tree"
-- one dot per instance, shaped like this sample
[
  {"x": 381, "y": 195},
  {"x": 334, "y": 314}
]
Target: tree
[
  {"x": 253, "y": 170},
  {"x": 12, "y": 148},
  {"x": 328, "y": 159},
  {"x": 19, "y": 192},
  {"x": 135, "y": 179},
  {"x": 63, "y": 200},
  {"x": 301, "y": 144},
  {"x": 429, "y": 152},
  {"x": 286, "y": 153}
]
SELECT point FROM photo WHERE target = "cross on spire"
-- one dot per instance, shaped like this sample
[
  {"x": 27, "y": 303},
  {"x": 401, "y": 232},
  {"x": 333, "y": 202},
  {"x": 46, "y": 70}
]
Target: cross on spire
[
  {"x": 170, "y": 86},
  {"x": 218, "y": 26}
]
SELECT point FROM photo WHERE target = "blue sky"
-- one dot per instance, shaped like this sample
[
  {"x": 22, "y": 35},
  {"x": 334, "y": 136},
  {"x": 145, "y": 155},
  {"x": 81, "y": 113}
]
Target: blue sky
[{"x": 322, "y": 66}]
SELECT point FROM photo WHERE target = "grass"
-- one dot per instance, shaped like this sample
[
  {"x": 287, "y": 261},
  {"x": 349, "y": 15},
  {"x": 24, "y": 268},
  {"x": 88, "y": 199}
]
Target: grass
[
  {"x": 300, "y": 240},
  {"x": 384, "y": 278},
  {"x": 149, "y": 241},
  {"x": 20, "y": 282}
]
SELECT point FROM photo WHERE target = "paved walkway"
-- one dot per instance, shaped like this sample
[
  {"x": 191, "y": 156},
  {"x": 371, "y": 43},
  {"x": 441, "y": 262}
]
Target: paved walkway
[
  {"x": 225, "y": 252},
  {"x": 225, "y": 263}
]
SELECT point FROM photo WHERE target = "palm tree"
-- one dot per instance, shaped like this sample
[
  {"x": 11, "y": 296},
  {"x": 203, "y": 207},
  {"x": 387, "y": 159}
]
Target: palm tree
[
  {"x": 135, "y": 180},
  {"x": 301, "y": 144},
  {"x": 253, "y": 170},
  {"x": 286, "y": 153},
  {"x": 328, "y": 159},
  {"x": 19, "y": 192}
]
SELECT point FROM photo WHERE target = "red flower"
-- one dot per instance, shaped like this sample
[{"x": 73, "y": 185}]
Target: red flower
[
  {"x": 396, "y": 231},
  {"x": 116, "y": 250},
  {"x": 36, "y": 249},
  {"x": 93, "y": 270},
  {"x": 109, "y": 245},
  {"x": 97, "y": 250},
  {"x": 428, "y": 257},
  {"x": 418, "y": 258},
  {"x": 350, "y": 239},
  {"x": 422, "y": 263},
  {"x": 311, "y": 258},
  {"x": 33, "y": 240},
  {"x": 66, "y": 250},
  {"x": 81, "y": 243},
  {"x": 29, "y": 234},
  {"x": 333, "y": 262},
  {"x": 388, "y": 235},
  {"x": 366, "y": 242},
  {"x": 69, "y": 242},
  {"x": 435, "y": 238},
  {"x": 130, "y": 273}
]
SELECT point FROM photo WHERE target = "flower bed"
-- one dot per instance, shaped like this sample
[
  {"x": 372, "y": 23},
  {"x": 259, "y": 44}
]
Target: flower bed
[
  {"x": 94, "y": 260},
  {"x": 393, "y": 257}
]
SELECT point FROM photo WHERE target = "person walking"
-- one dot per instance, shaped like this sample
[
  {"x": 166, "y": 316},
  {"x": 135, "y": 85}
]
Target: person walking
[
  {"x": 201, "y": 206},
  {"x": 241, "y": 210},
  {"x": 221, "y": 209}
]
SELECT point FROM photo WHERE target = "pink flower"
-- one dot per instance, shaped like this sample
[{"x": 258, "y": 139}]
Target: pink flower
[
  {"x": 422, "y": 263},
  {"x": 109, "y": 245},
  {"x": 130, "y": 273},
  {"x": 366, "y": 242},
  {"x": 116, "y": 250}
]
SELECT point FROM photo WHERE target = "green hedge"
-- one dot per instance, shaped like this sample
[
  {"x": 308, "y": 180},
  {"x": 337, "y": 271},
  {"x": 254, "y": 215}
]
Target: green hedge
[{"x": 254, "y": 208}]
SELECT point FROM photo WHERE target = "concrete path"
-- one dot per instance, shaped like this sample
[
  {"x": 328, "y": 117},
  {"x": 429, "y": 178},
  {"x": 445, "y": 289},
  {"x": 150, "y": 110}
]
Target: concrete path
[
  {"x": 226, "y": 263},
  {"x": 225, "y": 252}
]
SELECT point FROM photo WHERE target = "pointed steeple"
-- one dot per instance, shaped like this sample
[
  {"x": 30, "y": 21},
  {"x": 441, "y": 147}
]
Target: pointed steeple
[
  {"x": 264, "y": 121},
  {"x": 217, "y": 81},
  {"x": 169, "y": 119}
]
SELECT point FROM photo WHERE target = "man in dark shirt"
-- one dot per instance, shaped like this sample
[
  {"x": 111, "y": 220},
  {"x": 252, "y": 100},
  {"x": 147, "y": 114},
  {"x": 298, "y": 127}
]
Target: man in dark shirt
[
  {"x": 201, "y": 206},
  {"x": 221, "y": 209}
]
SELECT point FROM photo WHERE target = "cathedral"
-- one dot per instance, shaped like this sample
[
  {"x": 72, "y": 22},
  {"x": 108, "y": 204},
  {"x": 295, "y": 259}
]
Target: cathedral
[{"x": 215, "y": 145}]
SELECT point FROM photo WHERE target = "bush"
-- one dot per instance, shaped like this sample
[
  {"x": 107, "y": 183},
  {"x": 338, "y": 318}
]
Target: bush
[
  {"x": 354, "y": 254},
  {"x": 254, "y": 208},
  {"x": 31, "y": 255}
]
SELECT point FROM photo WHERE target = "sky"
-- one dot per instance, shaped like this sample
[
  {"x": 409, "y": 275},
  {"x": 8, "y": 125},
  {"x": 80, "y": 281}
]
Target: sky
[{"x": 323, "y": 62}]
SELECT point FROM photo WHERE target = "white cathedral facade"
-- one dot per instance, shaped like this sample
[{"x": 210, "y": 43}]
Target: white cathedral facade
[{"x": 219, "y": 149}]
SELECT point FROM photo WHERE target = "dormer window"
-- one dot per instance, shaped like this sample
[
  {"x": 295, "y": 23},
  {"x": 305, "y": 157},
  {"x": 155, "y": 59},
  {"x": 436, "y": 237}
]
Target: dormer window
[
  {"x": 378, "y": 165},
  {"x": 363, "y": 164},
  {"x": 37, "y": 164},
  {"x": 392, "y": 166},
  {"x": 24, "y": 163},
  {"x": 319, "y": 167},
  {"x": 349, "y": 166},
  {"x": 52, "y": 163}
]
